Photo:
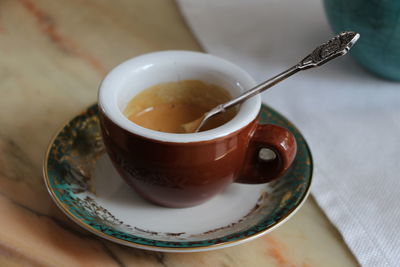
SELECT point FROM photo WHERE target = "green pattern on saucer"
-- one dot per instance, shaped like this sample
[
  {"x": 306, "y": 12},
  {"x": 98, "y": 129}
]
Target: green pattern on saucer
[{"x": 76, "y": 148}]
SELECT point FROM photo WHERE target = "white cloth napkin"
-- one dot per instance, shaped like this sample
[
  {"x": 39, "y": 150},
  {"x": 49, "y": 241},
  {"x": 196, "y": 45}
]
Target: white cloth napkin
[{"x": 350, "y": 118}]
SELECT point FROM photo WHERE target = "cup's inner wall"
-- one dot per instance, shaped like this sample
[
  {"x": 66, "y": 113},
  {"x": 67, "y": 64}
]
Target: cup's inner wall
[{"x": 137, "y": 74}]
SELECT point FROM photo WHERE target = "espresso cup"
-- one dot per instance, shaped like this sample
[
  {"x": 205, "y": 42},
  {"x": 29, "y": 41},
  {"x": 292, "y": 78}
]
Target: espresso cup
[{"x": 182, "y": 170}]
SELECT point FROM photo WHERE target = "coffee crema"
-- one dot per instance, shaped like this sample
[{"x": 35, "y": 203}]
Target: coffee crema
[{"x": 165, "y": 107}]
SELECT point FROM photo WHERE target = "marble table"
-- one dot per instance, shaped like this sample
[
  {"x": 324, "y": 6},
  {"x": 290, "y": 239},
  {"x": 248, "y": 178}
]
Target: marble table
[{"x": 53, "y": 55}]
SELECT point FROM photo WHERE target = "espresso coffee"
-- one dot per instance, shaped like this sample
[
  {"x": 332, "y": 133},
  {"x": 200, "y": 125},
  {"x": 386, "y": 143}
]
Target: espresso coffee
[{"x": 166, "y": 106}]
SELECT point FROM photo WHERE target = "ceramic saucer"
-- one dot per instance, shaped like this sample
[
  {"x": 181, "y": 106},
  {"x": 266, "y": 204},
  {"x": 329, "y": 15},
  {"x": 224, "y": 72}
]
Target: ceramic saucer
[{"x": 83, "y": 183}]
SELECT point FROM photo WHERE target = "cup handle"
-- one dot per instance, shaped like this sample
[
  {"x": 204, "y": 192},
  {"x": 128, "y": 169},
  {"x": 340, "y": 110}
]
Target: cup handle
[{"x": 281, "y": 142}]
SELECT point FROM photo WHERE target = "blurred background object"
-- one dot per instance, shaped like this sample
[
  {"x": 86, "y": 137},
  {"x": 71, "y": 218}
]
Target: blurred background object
[{"x": 378, "y": 22}]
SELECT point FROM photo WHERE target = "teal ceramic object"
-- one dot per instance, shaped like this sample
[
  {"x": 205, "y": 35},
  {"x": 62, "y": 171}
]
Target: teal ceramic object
[
  {"x": 378, "y": 22},
  {"x": 84, "y": 185}
]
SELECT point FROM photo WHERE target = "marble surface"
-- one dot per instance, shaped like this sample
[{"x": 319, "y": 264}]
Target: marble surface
[{"x": 53, "y": 57}]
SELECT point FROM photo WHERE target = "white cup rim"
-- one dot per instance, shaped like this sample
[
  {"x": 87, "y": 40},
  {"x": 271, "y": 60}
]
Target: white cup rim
[{"x": 109, "y": 91}]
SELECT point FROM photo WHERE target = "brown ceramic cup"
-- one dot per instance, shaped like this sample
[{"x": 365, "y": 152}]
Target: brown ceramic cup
[{"x": 182, "y": 170}]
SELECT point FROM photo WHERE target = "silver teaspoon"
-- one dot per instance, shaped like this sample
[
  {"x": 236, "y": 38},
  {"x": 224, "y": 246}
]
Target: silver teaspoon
[{"x": 335, "y": 47}]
